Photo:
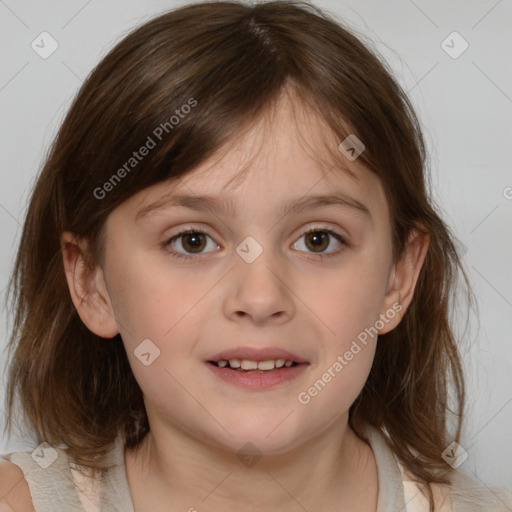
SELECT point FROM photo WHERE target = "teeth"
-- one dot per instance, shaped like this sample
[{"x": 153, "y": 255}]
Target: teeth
[
  {"x": 246, "y": 364},
  {"x": 266, "y": 365}
]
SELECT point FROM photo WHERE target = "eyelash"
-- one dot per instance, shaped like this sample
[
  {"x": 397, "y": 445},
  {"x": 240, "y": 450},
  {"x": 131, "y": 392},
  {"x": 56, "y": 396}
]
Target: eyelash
[{"x": 177, "y": 254}]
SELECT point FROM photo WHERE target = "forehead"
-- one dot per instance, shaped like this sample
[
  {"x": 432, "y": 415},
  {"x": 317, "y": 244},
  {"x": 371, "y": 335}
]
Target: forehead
[{"x": 288, "y": 152}]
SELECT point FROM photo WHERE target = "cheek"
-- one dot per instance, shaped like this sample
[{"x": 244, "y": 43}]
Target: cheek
[
  {"x": 349, "y": 299},
  {"x": 159, "y": 314},
  {"x": 149, "y": 300},
  {"x": 336, "y": 382},
  {"x": 348, "y": 308}
]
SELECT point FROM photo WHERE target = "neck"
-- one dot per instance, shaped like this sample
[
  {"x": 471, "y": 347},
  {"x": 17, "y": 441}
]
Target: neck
[{"x": 330, "y": 471}]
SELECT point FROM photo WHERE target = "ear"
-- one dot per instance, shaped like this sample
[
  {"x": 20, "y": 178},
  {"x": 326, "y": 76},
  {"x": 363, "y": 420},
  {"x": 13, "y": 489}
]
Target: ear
[
  {"x": 402, "y": 280},
  {"x": 87, "y": 288}
]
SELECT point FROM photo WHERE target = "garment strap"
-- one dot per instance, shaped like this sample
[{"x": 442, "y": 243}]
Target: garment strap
[
  {"x": 111, "y": 493},
  {"x": 391, "y": 490}
]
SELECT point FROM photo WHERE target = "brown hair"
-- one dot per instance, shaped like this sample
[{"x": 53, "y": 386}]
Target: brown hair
[{"x": 232, "y": 60}]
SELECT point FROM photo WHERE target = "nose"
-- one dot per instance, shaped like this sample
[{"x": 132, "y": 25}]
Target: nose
[{"x": 260, "y": 292}]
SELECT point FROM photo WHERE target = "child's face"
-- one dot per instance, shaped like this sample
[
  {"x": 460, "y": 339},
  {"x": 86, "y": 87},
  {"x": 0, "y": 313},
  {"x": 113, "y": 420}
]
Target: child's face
[{"x": 287, "y": 298}]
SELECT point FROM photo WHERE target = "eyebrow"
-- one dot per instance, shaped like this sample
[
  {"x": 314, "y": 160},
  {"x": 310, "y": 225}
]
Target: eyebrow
[{"x": 226, "y": 206}]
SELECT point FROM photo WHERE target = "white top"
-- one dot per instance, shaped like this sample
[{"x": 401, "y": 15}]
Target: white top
[{"x": 65, "y": 486}]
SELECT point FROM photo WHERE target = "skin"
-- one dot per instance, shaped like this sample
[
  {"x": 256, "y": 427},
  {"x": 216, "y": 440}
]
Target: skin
[{"x": 288, "y": 297}]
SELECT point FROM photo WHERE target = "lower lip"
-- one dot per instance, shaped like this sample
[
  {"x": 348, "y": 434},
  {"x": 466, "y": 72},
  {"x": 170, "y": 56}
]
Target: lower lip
[{"x": 257, "y": 381}]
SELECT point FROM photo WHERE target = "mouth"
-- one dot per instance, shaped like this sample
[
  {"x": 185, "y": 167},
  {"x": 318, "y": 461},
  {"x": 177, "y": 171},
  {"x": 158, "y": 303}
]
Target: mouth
[
  {"x": 257, "y": 368},
  {"x": 251, "y": 366},
  {"x": 251, "y": 359}
]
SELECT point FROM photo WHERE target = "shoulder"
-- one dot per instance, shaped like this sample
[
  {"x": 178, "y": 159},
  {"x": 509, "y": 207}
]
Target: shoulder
[
  {"x": 464, "y": 494},
  {"x": 471, "y": 494},
  {"x": 38, "y": 480},
  {"x": 14, "y": 489}
]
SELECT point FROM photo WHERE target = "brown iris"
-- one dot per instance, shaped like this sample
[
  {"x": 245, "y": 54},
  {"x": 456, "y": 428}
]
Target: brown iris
[
  {"x": 196, "y": 242},
  {"x": 318, "y": 240}
]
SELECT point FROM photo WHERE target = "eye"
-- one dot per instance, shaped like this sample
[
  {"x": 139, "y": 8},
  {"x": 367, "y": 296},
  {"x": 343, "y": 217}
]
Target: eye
[
  {"x": 193, "y": 241},
  {"x": 319, "y": 239}
]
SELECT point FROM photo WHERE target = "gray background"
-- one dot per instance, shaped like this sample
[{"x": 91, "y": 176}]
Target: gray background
[{"x": 464, "y": 104}]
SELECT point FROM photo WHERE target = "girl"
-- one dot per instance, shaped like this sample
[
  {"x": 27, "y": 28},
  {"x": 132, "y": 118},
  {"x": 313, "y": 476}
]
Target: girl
[{"x": 232, "y": 290}]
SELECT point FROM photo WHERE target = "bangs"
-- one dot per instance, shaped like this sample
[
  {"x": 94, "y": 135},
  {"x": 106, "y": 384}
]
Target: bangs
[{"x": 159, "y": 105}]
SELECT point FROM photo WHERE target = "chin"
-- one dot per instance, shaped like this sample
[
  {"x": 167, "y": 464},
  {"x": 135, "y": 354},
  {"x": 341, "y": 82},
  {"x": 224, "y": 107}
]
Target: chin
[{"x": 264, "y": 438}]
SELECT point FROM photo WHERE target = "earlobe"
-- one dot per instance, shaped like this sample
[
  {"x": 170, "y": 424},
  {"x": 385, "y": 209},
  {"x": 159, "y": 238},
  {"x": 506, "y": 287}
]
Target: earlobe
[
  {"x": 403, "y": 279},
  {"x": 87, "y": 288}
]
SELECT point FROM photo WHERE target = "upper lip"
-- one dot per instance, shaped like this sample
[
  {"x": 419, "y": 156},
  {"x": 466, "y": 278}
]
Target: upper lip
[{"x": 256, "y": 354}]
